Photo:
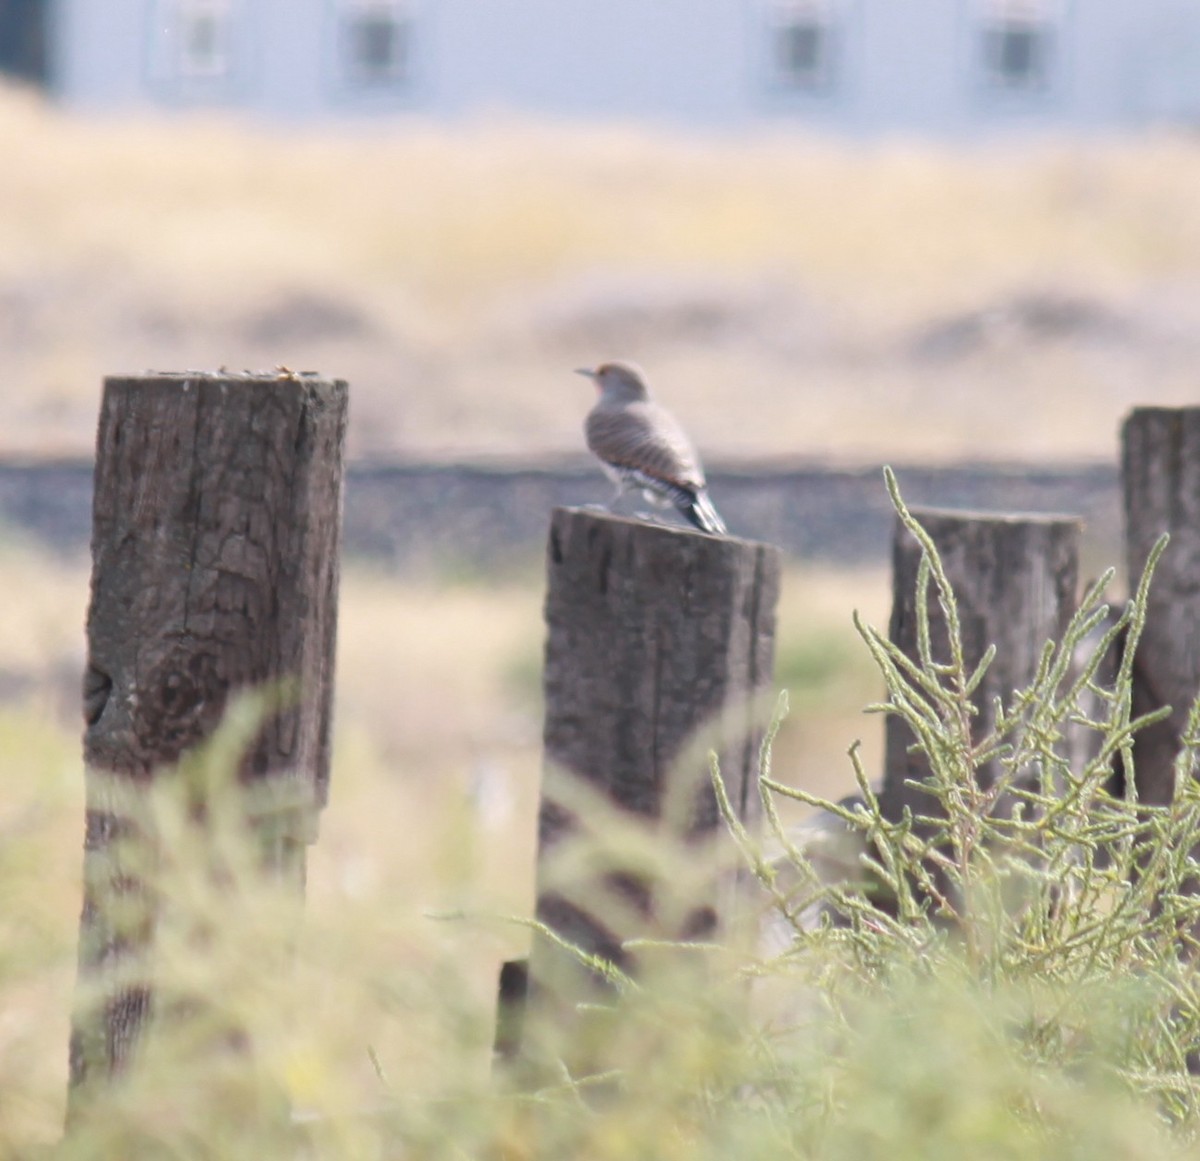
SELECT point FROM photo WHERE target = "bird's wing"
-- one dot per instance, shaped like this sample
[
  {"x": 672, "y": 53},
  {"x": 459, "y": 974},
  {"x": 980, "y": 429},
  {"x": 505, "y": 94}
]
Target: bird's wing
[{"x": 645, "y": 436}]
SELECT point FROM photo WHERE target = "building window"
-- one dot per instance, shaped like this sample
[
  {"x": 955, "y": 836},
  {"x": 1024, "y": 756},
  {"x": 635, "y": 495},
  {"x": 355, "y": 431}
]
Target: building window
[
  {"x": 1017, "y": 43},
  {"x": 376, "y": 40},
  {"x": 802, "y": 45},
  {"x": 196, "y": 49},
  {"x": 203, "y": 38}
]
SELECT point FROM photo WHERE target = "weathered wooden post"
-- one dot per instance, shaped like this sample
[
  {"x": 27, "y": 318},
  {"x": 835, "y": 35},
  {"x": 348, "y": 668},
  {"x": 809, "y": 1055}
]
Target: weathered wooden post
[
  {"x": 657, "y": 639},
  {"x": 1160, "y": 465},
  {"x": 1014, "y": 579},
  {"x": 216, "y": 528}
]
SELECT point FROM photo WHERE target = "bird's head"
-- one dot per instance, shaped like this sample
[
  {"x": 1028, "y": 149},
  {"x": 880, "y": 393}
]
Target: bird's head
[{"x": 620, "y": 382}]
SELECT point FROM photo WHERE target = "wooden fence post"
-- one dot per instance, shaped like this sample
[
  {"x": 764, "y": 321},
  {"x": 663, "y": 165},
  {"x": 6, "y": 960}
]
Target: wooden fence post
[
  {"x": 1014, "y": 580},
  {"x": 1160, "y": 466},
  {"x": 216, "y": 528},
  {"x": 656, "y": 638}
]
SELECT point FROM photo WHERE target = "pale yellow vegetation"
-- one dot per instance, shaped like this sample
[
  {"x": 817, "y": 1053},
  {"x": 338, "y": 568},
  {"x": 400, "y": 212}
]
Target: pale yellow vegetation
[
  {"x": 785, "y": 292},
  {"x": 433, "y": 798}
]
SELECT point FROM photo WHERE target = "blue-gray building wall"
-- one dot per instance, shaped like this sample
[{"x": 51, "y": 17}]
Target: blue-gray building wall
[
  {"x": 96, "y": 53},
  {"x": 618, "y": 58},
  {"x": 898, "y": 66}
]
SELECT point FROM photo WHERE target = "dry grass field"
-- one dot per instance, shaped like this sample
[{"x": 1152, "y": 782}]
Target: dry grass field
[{"x": 790, "y": 296}]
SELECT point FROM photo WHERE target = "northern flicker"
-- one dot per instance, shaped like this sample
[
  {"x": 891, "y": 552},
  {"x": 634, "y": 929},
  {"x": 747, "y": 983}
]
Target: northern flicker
[{"x": 640, "y": 445}]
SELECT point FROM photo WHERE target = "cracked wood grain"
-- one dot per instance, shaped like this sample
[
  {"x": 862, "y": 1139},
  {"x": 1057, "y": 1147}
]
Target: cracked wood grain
[
  {"x": 1014, "y": 580},
  {"x": 1160, "y": 471},
  {"x": 659, "y": 647},
  {"x": 215, "y": 542}
]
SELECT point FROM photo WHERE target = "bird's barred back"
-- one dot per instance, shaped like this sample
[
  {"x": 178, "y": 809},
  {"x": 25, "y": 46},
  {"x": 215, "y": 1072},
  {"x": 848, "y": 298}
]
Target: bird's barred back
[
  {"x": 675, "y": 494},
  {"x": 644, "y": 436}
]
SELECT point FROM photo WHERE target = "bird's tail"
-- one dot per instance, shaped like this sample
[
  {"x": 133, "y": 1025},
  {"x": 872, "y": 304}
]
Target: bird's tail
[{"x": 700, "y": 511}]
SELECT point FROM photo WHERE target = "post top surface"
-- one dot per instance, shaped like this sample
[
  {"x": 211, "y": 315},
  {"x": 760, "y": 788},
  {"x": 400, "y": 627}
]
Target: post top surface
[
  {"x": 1149, "y": 410},
  {"x": 632, "y": 522},
  {"x": 226, "y": 375},
  {"x": 1009, "y": 518}
]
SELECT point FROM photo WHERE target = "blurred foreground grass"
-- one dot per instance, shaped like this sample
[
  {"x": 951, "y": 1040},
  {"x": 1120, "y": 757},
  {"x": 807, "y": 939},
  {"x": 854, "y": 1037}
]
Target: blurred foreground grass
[
  {"x": 433, "y": 803},
  {"x": 1053, "y": 1028}
]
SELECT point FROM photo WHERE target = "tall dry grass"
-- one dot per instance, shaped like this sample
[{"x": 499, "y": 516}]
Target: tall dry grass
[{"x": 455, "y": 274}]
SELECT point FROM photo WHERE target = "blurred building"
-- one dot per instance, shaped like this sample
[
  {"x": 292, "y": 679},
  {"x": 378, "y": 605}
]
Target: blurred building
[
  {"x": 955, "y": 67},
  {"x": 23, "y": 40}
]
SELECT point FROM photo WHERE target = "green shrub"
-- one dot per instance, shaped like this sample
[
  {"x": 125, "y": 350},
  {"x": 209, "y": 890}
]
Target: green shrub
[{"x": 1009, "y": 974}]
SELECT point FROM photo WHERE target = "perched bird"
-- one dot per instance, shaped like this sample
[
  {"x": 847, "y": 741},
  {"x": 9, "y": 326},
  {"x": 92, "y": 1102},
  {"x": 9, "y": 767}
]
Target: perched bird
[{"x": 640, "y": 445}]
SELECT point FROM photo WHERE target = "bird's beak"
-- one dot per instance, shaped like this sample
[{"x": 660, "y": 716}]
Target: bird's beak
[{"x": 587, "y": 372}]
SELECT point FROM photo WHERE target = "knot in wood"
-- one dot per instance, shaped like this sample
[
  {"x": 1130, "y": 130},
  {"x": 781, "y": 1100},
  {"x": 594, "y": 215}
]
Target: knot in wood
[{"x": 180, "y": 703}]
